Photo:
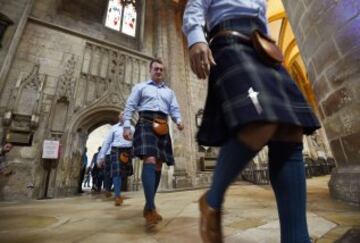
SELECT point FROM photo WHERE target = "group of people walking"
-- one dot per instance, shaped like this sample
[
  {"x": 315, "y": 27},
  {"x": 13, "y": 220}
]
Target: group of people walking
[
  {"x": 149, "y": 140},
  {"x": 251, "y": 102}
]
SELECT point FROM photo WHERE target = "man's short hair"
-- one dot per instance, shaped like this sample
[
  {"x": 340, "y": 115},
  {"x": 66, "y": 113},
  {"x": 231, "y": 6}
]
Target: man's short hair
[{"x": 157, "y": 60}]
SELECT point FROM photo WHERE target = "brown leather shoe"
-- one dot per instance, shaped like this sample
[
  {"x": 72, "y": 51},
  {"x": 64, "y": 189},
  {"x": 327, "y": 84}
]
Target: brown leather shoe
[
  {"x": 108, "y": 194},
  {"x": 210, "y": 222},
  {"x": 157, "y": 216},
  {"x": 151, "y": 217},
  {"x": 118, "y": 201}
]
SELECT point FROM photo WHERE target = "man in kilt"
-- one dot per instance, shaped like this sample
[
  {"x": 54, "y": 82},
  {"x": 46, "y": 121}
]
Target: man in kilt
[
  {"x": 155, "y": 102},
  {"x": 250, "y": 103},
  {"x": 120, "y": 158},
  {"x": 107, "y": 174}
]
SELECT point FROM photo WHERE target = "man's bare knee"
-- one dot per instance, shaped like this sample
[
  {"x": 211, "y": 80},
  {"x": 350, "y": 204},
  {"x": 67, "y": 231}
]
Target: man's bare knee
[
  {"x": 150, "y": 160},
  {"x": 158, "y": 166},
  {"x": 256, "y": 135}
]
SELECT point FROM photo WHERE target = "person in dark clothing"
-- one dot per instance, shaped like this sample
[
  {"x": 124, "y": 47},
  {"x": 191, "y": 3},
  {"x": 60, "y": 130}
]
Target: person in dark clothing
[{"x": 97, "y": 173}]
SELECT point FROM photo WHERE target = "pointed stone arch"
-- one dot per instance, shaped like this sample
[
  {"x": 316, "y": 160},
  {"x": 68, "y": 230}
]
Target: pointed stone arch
[{"x": 66, "y": 178}]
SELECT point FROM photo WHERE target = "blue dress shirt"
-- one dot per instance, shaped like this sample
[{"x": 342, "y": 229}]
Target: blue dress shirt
[
  {"x": 114, "y": 139},
  {"x": 150, "y": 96},
  {"x": 212, "y": 12}
]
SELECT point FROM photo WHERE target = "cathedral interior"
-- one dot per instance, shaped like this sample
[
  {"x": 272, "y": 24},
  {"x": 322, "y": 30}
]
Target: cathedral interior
[{"x": 68, "y": 66}]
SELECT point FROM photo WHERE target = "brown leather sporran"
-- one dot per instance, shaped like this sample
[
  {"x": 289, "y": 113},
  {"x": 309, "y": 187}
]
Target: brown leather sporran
[
  {"x": 267, "y": 49},
  {"x": 124, "y": 157},
  {"x": 160, "y": 127}
]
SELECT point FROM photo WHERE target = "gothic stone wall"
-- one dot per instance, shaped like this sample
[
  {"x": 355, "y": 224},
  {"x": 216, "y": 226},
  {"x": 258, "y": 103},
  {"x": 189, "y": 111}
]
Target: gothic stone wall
[
  {"x": 328, "y": 34},
  {"x": 69, "y": 74},
  {"x": 59, "y": 75},
  {"x": 18, "y": 12}
]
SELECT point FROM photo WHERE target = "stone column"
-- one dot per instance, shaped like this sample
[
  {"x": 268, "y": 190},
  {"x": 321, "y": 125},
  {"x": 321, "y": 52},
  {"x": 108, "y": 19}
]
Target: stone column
[
  {"x": 328, "y": 35},
  {"x": 180, "y": 82},
  {"x": 169, "y": 46}
]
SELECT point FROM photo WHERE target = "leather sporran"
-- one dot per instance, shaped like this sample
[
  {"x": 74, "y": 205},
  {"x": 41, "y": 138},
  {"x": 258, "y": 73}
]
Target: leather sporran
[
  {"x": 267, "y": 49},
  {"x": 124, "y": 157},
  {"x": 160, "y": 126}
]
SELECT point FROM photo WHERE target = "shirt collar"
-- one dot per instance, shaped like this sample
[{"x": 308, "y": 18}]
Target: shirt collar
[{"x": 162, "y": 84}]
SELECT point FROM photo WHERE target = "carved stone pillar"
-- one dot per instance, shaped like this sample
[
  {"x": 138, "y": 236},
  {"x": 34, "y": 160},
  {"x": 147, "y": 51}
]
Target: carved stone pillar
[
  {"x": 169, "y": 47},
  {"x": 328, "y": 34}
]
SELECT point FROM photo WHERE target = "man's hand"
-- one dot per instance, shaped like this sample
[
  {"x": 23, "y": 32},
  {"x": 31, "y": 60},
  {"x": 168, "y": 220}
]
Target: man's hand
[
  {"x": 201, "y": 59},
  {"x": 180, "y": 126},
  {"x": 127, "y": 134}
]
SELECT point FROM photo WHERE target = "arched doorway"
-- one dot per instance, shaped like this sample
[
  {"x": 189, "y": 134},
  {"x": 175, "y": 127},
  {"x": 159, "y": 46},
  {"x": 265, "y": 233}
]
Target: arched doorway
[
  {"x": 65, "y": 181},
  {"x": 93, "y": 143}
]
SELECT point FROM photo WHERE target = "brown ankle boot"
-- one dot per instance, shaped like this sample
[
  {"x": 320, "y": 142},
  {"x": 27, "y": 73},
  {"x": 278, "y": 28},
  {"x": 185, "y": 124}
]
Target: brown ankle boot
[
  {"x": 210, "y": 222},
  {"x": 157, "y": 216},
  {"x": 108, "y": 194},
  {"x": 151, "y": 217},
  {"x": 118, "y": 201}
]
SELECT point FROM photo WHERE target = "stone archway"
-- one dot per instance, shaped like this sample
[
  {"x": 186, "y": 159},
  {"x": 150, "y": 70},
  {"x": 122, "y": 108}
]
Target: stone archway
[{"x": 65, "y": 180}]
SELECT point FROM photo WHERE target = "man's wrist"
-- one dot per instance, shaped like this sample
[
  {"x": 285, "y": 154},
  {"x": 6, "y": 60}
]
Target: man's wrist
[
  {"x": 196, "y": 36},
  {"x": 178, "y": 121}
]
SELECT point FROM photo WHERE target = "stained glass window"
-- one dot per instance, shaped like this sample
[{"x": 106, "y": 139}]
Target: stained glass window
[{"x": 121, "y": 16}]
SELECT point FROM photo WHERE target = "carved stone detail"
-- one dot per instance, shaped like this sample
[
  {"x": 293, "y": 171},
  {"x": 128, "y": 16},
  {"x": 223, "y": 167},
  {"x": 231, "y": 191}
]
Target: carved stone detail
[
  {"x": 67, "y": 81},
  {"x": 24, "y": 105},
  {"x": 107, "y": 75},
  {"x": 64, "y": 99}
]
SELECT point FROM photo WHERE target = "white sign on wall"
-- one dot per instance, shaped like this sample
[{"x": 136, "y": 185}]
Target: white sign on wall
[{"x": 51, "y": 149}]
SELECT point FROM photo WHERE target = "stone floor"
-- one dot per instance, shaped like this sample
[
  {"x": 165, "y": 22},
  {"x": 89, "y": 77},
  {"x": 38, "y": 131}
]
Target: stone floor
[{"x": 250, "y": 216}]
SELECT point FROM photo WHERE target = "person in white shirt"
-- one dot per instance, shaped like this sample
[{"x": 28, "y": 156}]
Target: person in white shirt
[{"x": 120, "y": 156}]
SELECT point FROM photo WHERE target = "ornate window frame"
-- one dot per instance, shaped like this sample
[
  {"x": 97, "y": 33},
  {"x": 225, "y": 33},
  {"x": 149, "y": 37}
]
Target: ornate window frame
[{"x": 139, "y": 6}]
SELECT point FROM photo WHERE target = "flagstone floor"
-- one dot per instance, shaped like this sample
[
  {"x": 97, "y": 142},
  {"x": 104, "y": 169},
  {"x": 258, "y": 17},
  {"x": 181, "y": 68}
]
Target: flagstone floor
[{"x": 250, "y": 217}]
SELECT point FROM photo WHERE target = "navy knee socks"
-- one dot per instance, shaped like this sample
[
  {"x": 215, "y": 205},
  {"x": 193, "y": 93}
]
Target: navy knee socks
[
  {"x": 148, "y": 181},
  {"x": 117, "y": 185},
  {"x": 157, "y": 179},
  {"x": 232, "y": 158},
  {"x": 287, "y": 176}
]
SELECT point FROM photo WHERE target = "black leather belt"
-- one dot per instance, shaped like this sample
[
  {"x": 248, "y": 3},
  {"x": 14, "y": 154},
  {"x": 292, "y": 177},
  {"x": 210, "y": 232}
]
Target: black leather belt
[
  {"x": 151, "y": 115},
  {"x": 227, "y": 33},
  {"x": 116, "y": 149}
]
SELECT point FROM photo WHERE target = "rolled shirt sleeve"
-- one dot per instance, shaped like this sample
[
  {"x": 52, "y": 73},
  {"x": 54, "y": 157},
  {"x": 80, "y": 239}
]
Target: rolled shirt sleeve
[
  {"x": 174, "y": 109},
  {"x": 194, "y": 20},
  {"x": 105, "y": 146},
  {"x": 132, "y": 104}
]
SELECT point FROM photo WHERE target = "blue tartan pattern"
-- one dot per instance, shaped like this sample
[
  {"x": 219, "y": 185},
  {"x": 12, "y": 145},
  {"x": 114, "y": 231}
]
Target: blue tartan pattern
[
  {"x": 147, "y": 143},
  {"x": 118, "y": 168},
  {"x": 107, "y": 173},
  {"x": 107, "y": 170},
  {"x": 228, "y": 105}
]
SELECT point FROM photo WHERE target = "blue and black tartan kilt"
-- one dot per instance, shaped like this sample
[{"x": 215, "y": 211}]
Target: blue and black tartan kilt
[
  {"x": 118, "y": 167},
  {"x": 147, "y": 143},
  {"x": 107, "y": 171},
  {"x": 242, "y": 89}
]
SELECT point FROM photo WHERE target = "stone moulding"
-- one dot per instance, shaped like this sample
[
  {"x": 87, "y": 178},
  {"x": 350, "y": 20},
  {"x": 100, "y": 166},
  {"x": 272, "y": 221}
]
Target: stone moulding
[{"x": 22, "y": 115}]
